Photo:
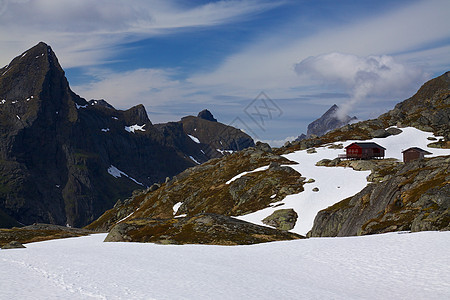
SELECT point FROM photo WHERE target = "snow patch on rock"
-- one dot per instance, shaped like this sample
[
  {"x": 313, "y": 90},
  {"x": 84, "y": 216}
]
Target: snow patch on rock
[
  {"x": 116, "y": 173},
  {"x": 194, "y": 139},
  {"x": 135, "y": 127}
]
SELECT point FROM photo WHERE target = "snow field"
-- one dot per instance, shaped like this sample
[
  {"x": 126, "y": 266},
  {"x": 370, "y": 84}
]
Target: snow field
[{"x": 387, "y": 266}]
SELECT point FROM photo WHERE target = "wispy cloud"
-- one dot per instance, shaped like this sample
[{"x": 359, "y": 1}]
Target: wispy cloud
[
  {"x": 86, "y": 32},
  {"x": 269, "y": 63}
]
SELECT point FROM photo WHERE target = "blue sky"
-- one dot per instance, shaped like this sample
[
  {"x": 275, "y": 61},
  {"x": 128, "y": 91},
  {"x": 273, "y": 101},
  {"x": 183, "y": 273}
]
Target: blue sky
[{"x": 179, "y": 57}]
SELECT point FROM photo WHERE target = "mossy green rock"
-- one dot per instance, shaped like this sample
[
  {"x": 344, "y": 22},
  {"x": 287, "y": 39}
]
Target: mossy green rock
[{"x": 282, "y": 219}]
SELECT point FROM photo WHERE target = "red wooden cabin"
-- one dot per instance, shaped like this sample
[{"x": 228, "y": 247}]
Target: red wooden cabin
[{"x": 364, "y": 151}]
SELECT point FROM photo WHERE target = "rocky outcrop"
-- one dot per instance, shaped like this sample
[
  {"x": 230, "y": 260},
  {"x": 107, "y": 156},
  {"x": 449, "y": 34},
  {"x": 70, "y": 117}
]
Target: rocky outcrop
[
  {"x": 39, "y": 232},
  {"x": 204, "y": 228},
  {"x": 415, "y": 198},
  {"x": 282, "y": 219}
]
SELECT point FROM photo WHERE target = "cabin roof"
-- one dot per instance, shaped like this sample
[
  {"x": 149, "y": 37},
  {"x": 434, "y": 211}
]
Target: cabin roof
[
  {"x": 367, "y": 145},
  {"x": 417, "y": 149}
]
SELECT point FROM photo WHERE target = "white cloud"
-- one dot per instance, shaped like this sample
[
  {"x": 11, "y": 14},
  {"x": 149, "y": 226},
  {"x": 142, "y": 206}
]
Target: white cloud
[
  {"x": 86, "y": 32},
  {"x": 269, "y": 63},
  {"x": 123, "y": 90},
  {"x": 362, "y": 76}
]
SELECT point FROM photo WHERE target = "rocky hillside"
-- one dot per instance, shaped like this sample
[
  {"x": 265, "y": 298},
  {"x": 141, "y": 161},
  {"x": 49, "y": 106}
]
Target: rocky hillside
[
  {"x": 37, "y": 233},
  {"x": 428, "y": 109},
  {"x": 64, "y": 160},
  {"x": 414, "y": 197},
  {"x": 213, "y": 188}
]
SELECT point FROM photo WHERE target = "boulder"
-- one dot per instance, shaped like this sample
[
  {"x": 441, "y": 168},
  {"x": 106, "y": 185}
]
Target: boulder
[
  {"x": 282, "y": 219},
  {"x": 13, "y": 245},
  {"x": 380, "y": 133},
  {"x": 394, "y": 131},
  {"x": 263, "y": 147},
  {"x": 323, "y": 162}
]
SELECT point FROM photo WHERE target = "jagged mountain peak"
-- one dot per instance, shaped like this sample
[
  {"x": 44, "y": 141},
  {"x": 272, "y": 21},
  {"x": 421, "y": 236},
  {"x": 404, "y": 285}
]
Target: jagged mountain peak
[
  {"x": 333, "y": 109},
  {"x": 328, "y": 121},
  {"x": 137, "y": 114},
  {"x": 206, "y": 115},
  {"x": 26, "y": 74}
]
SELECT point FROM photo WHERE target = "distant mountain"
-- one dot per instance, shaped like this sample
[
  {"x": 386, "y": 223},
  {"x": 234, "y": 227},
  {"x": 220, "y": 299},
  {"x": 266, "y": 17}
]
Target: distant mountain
[
  {"x": 327, "y": 122},
  {"x": 64, "y": 160},
  {"x": 214, "y": 139}
]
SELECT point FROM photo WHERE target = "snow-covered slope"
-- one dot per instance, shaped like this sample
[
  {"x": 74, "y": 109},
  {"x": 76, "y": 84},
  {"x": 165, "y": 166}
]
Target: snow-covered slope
[
  {"x": 388, "y": 266},
  {"x": 336, "y": 184}
]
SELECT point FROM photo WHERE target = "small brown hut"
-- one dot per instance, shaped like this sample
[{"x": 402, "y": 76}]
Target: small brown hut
[{"x": 414, "y": 153}]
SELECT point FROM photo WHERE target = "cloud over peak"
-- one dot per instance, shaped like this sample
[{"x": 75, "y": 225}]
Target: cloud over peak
[{"x": 361, "y": 76}]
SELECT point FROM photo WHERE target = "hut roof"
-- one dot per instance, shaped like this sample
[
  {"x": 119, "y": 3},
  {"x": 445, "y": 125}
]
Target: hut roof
[
  {"x": 367, "y": 145},
  {"x": 417, "y": 149}
]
